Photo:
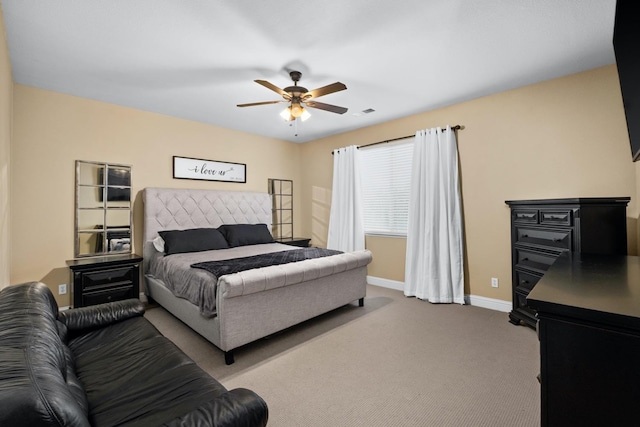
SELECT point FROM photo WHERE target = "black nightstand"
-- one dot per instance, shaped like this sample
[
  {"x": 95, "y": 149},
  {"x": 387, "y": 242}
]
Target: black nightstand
[
  {"x": 303, "y": 242},
  {"x": 104, "y": 279}
]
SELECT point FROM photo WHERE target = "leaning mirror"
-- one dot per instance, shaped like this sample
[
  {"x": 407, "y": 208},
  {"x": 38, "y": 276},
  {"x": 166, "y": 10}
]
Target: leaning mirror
[
  {"x": 281, "y": 191},
  {"x": 103, "y": 214}
]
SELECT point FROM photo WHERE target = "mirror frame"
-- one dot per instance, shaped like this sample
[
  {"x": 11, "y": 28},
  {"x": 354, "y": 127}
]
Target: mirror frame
[
  {"x": 103, "y": 208},
  {"x": 281, "y": 191}
]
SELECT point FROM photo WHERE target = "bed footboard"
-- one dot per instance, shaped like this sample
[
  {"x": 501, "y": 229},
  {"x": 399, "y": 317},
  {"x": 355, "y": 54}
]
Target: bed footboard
[{"x": 257, "y": 303}]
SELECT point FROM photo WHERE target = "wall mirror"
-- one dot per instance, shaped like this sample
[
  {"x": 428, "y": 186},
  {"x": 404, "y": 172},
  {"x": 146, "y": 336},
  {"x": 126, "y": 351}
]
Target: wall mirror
[
  {"x": 103, "y": 214},
  {"x": 281, "y": 191}
]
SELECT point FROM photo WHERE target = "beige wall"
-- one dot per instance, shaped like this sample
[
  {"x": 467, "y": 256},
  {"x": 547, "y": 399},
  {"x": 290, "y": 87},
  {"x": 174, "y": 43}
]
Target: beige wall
[
  {"x": 52, "y": 130},
  {"x": 562, "y": 138},
  {"x": 6, "y": 94}
]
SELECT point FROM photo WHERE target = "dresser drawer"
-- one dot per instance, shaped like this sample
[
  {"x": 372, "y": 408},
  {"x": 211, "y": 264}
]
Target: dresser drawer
[
  {"x": 100, "y": 278},
  {"x": 554, "y": 238},
  {"x": 525, "y": 281},
  {"x": 525, "y": 216},
  {"x": 533, "y": 260},
  {"x": 520, "y": 303},
  {"x": 556, "y": 216},
  {"x": 109, "y": 294}
]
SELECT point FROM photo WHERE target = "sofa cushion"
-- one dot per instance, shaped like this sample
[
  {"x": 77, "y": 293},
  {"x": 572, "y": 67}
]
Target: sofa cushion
[{"x": 131, "y": 373}]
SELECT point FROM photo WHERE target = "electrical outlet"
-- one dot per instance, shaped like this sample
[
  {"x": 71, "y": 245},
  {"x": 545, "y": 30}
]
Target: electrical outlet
[
  {"x": 62, "y": 289},
  {"x": 494, "y": 282}
]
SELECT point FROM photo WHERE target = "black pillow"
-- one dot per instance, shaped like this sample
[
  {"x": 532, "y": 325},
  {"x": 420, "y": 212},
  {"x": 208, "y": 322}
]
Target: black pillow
[
  {"x": 246, "y": 234},
  {"x": 192, "y": 240}
]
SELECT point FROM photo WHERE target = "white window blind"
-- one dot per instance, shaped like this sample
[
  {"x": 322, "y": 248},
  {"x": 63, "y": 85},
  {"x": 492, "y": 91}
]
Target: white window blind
[{"x": 386, "y": 178}]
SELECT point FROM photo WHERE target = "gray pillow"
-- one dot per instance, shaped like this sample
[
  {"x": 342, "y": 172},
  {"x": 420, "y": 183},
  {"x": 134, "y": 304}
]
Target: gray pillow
[
  {"x": 192, "y": 240},
  {"x": 246, "y": 234}
]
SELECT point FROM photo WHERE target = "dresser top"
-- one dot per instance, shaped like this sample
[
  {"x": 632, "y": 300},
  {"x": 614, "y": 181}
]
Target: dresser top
[
  {"x": 600, "y": 288},
  {"x": 572, "y": 201}
]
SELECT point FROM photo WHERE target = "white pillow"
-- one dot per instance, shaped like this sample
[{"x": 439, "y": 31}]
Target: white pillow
[{"x": 158, "y": 243}]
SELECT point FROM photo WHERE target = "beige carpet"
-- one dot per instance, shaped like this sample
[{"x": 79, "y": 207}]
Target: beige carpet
[{"x": 396, "y": 361}]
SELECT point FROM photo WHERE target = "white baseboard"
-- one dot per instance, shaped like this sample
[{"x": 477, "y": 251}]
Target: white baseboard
[
  {"x": 385, "y": 283},
  {"x": 66, "y": 307},
  {"x": 490, "y": 303},
  {"x": 478, "y": 301}
]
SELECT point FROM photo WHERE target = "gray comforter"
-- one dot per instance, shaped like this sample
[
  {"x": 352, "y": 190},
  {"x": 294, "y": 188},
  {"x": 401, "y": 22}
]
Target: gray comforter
[{"x": 197, "y": 285}]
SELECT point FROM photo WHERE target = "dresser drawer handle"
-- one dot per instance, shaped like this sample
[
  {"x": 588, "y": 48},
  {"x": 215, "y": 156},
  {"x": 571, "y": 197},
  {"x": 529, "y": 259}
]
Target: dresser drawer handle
[
  {"x": 525, "y": 259},
  {"x": 525, "y": 282}
]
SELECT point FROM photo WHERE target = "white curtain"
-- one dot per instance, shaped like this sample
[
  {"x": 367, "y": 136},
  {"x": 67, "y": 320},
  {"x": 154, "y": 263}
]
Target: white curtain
[
  {"x": 346, "y": 228},
  {"x": 434, "y": 260}
]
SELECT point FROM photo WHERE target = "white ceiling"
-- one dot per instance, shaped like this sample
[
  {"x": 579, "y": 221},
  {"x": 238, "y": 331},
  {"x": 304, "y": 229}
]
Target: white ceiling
[{"x": 197, "y": 59}]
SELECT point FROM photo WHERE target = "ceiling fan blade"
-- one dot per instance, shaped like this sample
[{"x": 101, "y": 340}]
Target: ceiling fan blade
[
  {"x": 273, "y": 87},
  {"x": 324, "y": 90},
  {"x": 259, "y": 103},
  {"x": 326, "y": 107}
]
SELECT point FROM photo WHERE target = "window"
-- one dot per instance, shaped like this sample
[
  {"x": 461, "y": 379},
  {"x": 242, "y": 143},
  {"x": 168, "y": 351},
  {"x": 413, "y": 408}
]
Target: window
[{"x": 386, "y": 177}]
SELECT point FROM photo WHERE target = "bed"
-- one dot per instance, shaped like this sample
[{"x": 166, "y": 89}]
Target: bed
[{"x": 232, "y": 310}]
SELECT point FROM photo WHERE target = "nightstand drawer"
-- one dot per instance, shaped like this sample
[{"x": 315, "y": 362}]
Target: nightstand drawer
[
  {"x": 99, "y": 278},
  {"x": 553, "y": 238},
  {"x": 108, "y": 295}
]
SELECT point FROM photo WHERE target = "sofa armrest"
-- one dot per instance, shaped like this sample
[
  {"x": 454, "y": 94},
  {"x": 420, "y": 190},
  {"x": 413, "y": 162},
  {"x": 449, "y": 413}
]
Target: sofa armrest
[
  {"x": 100, "y": 315},
  {"x": 239, "y": 407}
]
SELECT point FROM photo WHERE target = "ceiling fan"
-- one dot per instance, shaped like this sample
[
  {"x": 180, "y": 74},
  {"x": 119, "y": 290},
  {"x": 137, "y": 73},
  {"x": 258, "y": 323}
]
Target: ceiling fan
[{"x": 299, "y": 97}]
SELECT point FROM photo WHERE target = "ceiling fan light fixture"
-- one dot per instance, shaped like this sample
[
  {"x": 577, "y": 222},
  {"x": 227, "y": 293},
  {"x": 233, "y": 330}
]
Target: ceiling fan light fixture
[
  {"x": 286, "y": 114},
  {"x": 295, "y": 111}
]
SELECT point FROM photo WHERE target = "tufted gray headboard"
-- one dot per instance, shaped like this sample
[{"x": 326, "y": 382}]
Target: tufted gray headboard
[{"x": 179, "y": 209}]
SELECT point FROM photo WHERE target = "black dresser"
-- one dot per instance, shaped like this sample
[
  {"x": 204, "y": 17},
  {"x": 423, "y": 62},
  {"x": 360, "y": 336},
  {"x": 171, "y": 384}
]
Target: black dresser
[
  {"x": 542, "y": 230},
  {"x": 588, "y": 308}
]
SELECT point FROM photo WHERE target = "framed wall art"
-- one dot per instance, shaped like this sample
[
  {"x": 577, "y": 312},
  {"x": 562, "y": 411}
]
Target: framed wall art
[{"x": 208, "y": 170}]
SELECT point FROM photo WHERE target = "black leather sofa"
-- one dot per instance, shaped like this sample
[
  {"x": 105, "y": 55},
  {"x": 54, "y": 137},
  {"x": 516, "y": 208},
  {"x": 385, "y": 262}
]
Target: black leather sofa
[{"x": 104, "y": 365}]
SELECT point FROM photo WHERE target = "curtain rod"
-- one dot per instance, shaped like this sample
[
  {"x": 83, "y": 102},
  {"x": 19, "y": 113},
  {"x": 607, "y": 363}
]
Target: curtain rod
[{"x": 454, "y": 128}]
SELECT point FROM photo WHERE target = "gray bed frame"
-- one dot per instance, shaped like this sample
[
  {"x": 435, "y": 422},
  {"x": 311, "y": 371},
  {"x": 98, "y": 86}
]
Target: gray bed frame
[{"x": 256, "y": 303}]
